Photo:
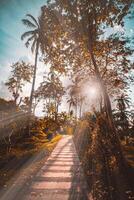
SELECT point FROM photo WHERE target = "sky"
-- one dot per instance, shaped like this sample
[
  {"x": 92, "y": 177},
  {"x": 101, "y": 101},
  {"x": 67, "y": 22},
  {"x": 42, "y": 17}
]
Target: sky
[
  {"x": 11, "y": 28},
  {"x": 13, "y": 49}
]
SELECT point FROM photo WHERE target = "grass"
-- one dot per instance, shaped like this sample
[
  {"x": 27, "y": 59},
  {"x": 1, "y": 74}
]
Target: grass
[
  {"x": 50, "y": 145},
  {"x": 20, "y": 153}
]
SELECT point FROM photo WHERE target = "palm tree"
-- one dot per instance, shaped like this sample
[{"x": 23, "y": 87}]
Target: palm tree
[
  {"x": 123, "y": 102},
  {"x": 74, "y": 93},
  {"x": 72, "y": 103},
  {"x": 122, "y": 116},
  {"x": 33, "y": 37},
  {"x": 81, "y": 101}
]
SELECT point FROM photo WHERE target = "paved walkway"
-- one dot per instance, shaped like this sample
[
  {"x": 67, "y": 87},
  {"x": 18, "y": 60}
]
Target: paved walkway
[{"x": 61, "y": 177}]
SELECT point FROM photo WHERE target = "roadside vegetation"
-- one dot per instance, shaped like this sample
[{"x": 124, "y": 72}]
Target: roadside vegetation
[{"x": 100, "y": 166}]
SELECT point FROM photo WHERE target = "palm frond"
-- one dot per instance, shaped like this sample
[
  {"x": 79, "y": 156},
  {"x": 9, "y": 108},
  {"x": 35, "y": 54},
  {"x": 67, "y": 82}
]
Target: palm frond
[
  {"x": 29, "y": 40},
  {"x": 35, "y": 21},
  {"x": 26, "y": 34},
  {"x": 27, "y": 23}
]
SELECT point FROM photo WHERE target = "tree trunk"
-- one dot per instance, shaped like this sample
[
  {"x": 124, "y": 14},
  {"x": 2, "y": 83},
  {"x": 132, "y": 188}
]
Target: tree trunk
[
  {"x": 33, "y": 85},
  {"x": 56, "y": 110},
  {"x": 34, "y": 77},
  {"x": 69, "y": 109},
  {"x": 81, "y": 110},
  {"x": 76, "y": 108},
  {"x": 117, "y": 151},
  {"x": 101, "y": 106}
]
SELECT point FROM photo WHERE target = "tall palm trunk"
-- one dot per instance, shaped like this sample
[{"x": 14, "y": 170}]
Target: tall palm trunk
[
  {"x": 69, "y": 108},
  {"x": 34, "y": 78},
  {"x": 107, "y": 103},
  {"x": 76, "y": 108},
  {"x": 101, "y": 104},
  {"x": 56, "y": 109},
  {"x": 81, "y": 109}
]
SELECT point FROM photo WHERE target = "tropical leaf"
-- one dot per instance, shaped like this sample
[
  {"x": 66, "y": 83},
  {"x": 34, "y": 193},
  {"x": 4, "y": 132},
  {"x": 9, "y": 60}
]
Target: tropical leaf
[
  {"x": 26, "y": 34},
  {"x": 29, "y": 40},
  {"x": 35, "y": 21},
  {"x": 27, "y": 23}
]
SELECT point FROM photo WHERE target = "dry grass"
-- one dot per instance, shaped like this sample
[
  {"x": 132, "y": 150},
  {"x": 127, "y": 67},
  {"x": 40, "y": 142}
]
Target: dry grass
[
  {"x": 50, "y": 145},
  {"x": 19, "y": 154}
]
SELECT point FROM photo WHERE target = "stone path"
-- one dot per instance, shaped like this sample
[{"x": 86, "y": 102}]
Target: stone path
[{"x": 60, "y": 178}]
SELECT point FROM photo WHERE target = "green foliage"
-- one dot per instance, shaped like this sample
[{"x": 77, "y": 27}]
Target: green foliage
[
  {"x": 123, "y": 118},
  {"x": 97, "y": 156},
  {"x": 7, "y": 106},
  {"x": 51, "y": 91},
  {"x": 21, "y": 73}
]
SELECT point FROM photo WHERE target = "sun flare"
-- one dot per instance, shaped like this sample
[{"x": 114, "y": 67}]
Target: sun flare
[{"x": 90, "y": 91}]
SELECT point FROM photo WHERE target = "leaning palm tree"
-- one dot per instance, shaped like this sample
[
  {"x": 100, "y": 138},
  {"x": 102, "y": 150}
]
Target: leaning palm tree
[{"x": 33, "y": 38}]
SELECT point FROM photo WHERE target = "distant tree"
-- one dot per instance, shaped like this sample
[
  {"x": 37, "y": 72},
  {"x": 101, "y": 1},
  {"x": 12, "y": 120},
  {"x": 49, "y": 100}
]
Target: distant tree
[
  {"x": 7, "y": 107},
  {"x": 36, "y": 99},
  {"x": 76, "y": 97},
  {"x": 21, "y": 73},
  {"x": 71, "y": 102},
  {"x": 122, "y": 115},
  {"x": 74, "y": 94},
  {"x": 51, "y": 90},
  {"x": 25, "y": 104}
]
